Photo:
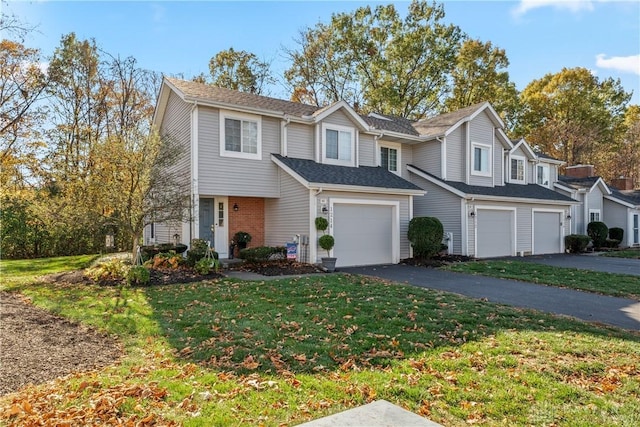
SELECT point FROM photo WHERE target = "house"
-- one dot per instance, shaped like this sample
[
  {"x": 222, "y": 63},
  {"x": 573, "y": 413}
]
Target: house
[
  {"x": 601, "y": 202},
  {"x": 270, "y": 167},
  {"x": 493, "y": 195}
]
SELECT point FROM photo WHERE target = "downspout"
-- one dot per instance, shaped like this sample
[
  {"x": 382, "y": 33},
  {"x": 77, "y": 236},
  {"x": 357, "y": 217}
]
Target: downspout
[
  {"x": 284, "y": 134},
  {"x": 313, "y": 233},
  {"x": 376, "y": 138},
  {"x": 195, "y": 205},
  {"x": 443, "y": 157}
]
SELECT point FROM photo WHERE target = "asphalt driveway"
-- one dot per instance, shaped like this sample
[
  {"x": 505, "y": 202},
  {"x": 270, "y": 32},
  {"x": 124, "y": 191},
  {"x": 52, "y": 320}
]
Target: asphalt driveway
[
  {"x": 593, "y": 262},
  {"x": 621, "y": 312}
]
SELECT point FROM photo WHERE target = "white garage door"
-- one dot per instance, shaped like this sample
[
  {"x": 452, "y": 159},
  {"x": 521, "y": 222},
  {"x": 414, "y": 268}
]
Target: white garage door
[
  {"x": 546, "y": 233},
  {"x": 363, "y": 233},
  {"x": 494, "y": 233}
]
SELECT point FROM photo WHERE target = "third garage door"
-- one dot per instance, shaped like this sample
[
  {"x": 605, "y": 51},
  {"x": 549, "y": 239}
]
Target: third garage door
[
  {"x": 494, "y": 233},
  {"x": 546, "y": 233},
  {"x": 363, "y": 233}
]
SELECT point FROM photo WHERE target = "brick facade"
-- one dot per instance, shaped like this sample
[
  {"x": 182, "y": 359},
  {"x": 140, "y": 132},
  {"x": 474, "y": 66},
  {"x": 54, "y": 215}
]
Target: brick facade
[{"x": 249, "y": 217}]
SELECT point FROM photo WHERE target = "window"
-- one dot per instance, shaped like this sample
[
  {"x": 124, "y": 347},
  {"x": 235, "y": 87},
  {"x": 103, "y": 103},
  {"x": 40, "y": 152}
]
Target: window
[
  {"x": 240, "y": 136},
  {"x": 481, "y": 159},
  {"x": 636, "y": 229},
  {"x": 594, "y": 215},
  {"x": 517, "y": 169},
  {"x": 389, "y": 158},
  {"x": 338, "y": 145},
  {"x": 542, "y": 175}
]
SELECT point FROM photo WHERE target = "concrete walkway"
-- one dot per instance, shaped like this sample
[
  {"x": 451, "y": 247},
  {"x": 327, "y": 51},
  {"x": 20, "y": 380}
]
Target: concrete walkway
[{"x": 621, "y": 312}]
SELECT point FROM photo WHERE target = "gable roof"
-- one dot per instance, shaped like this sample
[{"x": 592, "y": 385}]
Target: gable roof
[
  {"x": 587, "y": 183},
  {"x": 390, "y": 123},
  {"x": 627, "y": 197},
  {"x": 318, "y": 175},
  {"x": 508, "y": 191},
  {"x": 444, "y": 124},
  {"x": 193, "y": 91},
  {"x": 521, "y": 143}
]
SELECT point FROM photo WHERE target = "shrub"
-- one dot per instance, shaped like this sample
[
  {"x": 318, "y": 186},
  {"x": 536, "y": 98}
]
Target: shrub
[
  {"x": 138, "y": 276},
  {"x": 425, "y": 234},
  {"x": 611, "y": 243},
  {"x": 166, "y": 260},
  {"x": 263, "y": 253},
  {"x": 242, "y": 237},
  {"x": 616, "y": 233},
  {"x": 322, "y": 224},
  {"x": 576, "y": 243},
  {"x": 327, "y": 242},
  {"x": 598, "y": 231},
  {"x": 197, "y": 252},
  {"x": 110, "y": 270}
]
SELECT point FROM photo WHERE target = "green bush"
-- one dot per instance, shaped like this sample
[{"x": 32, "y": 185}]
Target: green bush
[
  {"x": 598, "y": 231},
  {"x": 425, "y": 234},
  {"x": 242, "y": 237},
  {"x": 611, "y": 243},
  {"x": 197, "y": 252},
  {"x": 616, "y": 233},
  {"x": 576, "y": 243},
  {"x": 327, "y": 242},
  {"x": 113, "y": 270},
  {"x": 321, "y": 224},
  {"x": 263, "y": 253},
  {"x": 138, "y": 276}
]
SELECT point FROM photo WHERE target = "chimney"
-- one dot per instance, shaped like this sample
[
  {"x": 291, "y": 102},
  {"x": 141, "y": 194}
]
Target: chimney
[
  {"x": 580, "y": 171},
  {"x": 622, "y": 183}
]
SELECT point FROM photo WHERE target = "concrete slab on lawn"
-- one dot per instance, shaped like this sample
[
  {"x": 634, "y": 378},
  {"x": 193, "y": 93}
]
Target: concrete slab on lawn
[{"x": 375, "y": 414}]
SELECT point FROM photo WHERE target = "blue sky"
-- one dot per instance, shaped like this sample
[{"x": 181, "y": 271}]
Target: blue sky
[{"x": 539, "y": 36}]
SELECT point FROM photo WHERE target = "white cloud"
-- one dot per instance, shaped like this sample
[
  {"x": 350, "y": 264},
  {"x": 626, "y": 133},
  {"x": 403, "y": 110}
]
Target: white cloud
[
  {"x": 628, "y": 64},
  {"x": 573, "y": 6}
]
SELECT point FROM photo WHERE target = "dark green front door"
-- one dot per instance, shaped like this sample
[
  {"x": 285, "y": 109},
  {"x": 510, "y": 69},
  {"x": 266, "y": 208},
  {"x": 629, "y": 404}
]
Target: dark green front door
[{"x": 206, "y": 220}]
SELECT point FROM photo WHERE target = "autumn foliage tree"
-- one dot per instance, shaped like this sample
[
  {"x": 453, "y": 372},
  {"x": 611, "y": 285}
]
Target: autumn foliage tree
[{"x": 240, "y": 70}]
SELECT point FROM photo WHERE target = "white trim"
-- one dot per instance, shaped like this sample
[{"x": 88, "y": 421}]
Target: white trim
[
  {"x": 410, "y": 218},
  {"x": 395, "y": 230},
  {"x": 195, "y": 190},
  {"x": 242, "y": 117},
  {"x": 443, "y": 157},
  {"x": 352, "y": 154},
  {"x": 562, "y": 226},
  {"x": 526, "y": 148},
  {"x": 594, "y": 211},
  {"x": 544, "y": 166},
  {"x": 317, "y": 144},
  {"x": 514, "y": 234},
  {"x": 392, "y": 146},
  {"x": 481, "y": 145},
  {"x": 464, "y": 230},
  {"x": 313, "y": 233},
  {"x": 614, "y": 199},
  {"x": 524, "y": 169},
  {"x": 323, "y": 113}
]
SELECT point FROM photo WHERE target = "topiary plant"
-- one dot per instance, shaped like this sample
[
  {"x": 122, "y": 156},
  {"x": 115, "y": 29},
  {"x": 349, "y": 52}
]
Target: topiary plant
[
  {"x": 322, "y": 224},
  {"x": 327, "y": 242},
  {"x": 616, "y": 233},
  {"x": 425, "y": 234},
  {"x": 598, "y": 231}
]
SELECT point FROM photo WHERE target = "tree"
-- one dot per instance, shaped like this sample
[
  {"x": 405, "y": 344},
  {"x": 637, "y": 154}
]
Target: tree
[
  {"x": 573, "y": 116},
  {"x": 22, "y": 84},
  {"x": 240, "y": 70},
  {"x": 480, "y": 75},
  {"x": 377, "y": 61},
  {"x": 627, "y": 150}
]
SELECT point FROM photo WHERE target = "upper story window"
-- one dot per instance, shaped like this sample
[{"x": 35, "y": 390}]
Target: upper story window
[
  {"x": 338, "y": 145},
  {"x": 517, "y": 169},
  {"x": 481, "y": 159},
  {"x": 390, "y": 157},
  {"x": 240, "y": 135},
  {"x": 594, "y": 215},
  {"x": 542, "y": 175}
]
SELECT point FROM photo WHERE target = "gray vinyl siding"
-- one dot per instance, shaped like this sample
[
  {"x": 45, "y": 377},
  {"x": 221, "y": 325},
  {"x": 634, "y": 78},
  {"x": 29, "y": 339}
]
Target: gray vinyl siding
[
  {"x": 427, "y": 156},
  {"x": 300, "y": 141},
  {"x": 441, "y": 204},
  {"x": 176, "y": 126},
  {"x": 367, "y": 151},
  {"x": 456, "y": 146},
  {"x": 226, "y": 176},
  {"x": 481, "y": 131},
  {"x": 288, "y": 215},
  {"x": 403, "y": 213},
  {"x": 595, "y": 201},
  {"x": 340, "y": 118},
  {"x": 616, "y": 215},
  {"x": 406, "y": 158}
]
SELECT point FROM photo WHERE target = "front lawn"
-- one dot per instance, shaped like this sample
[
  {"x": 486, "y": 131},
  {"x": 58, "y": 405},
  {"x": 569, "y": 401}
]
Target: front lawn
[
  {"x": 626, "y": 253},
  {"x": 619, "y": 285},
  {"x": 273, "y": 353}
]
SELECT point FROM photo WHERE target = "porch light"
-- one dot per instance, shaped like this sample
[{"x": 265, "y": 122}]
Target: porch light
[{"x": 236, "y": 207}]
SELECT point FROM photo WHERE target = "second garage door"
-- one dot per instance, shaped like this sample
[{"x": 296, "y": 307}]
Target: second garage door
[
  {"x": 494, "y": 233},
  {"x": 363, "y": 233},
  {"x": 546, "y": 233}
]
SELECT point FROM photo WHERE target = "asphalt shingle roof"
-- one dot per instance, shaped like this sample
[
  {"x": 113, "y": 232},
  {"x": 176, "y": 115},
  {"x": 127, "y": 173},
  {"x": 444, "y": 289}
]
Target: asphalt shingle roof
[
  {"x": 392, "y": 123},
  {"x": 629, "y": 196},
  {"x": 440, "y": 124},
  {"x": 578, "y": 183},
  {"x": 522, "y": 191},
  {"x": 228, "y": 96},
  {"x": 363, "y": 176}
]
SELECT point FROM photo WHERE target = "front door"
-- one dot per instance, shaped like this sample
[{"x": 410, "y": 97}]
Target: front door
[
  {"x": 207, "y": 221},
  {"x": 636, "y": 229}
]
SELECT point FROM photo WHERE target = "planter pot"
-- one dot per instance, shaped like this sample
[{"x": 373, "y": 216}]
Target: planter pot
[
  {"x": 329, "y": 264},
  {"x": 242, "y": 245}
]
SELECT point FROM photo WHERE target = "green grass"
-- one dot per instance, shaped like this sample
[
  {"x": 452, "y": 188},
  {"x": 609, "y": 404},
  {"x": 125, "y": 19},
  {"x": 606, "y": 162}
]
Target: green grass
[
  {"x": 626, "y": 253},
  {"x": 283, "y": 352},
  {"x": 15, "y": 272},
  {"x": 620, "y": 285}
]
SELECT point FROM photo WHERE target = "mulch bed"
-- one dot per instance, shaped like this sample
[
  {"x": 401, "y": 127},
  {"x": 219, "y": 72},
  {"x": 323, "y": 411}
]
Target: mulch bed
[
  {"x": 279, "y": 268},
  {"x": 437, "y": 261}
]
